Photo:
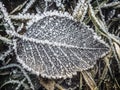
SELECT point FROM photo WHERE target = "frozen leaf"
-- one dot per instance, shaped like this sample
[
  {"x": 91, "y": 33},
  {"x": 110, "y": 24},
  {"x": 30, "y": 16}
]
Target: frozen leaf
[{"x": 56, "y": 46}]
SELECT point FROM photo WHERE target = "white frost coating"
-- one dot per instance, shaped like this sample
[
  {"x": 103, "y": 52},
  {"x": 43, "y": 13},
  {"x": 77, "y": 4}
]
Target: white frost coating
[
  {"x": 20, "y": 16},
  {"x": 50, "y": 76},
  {"x": 80, "y": 2},
  {"x": 42, "y": 74},
  {"x": 50, "y": 43},
  {"x": 31, "y": 2},
  {"x": 58, "y": 2},
  {"x": 6, "y": 53},
  {"x": 25, "y": 41},
  {"x": 6, "y": 40},
  {"x": 20, "y": 27},
  {"x": 95, "y": 35},
  {"x": 93, "y": 15},
  {"x": 40, "y": 41},
  {"x": 6, "y": 16},
  {"x": 48, "y": 13},
  {"x": 80, "y": 10}
]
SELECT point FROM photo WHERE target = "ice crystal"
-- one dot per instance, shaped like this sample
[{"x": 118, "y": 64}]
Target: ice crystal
[{"x": 56, "y": 46}]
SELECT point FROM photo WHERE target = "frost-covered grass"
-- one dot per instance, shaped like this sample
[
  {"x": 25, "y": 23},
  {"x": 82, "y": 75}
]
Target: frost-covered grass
[{"x": 103, "y": 16}]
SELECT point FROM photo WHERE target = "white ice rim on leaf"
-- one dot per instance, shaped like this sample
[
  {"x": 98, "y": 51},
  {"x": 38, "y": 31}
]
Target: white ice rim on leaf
[{"x": 48, "y": 13}]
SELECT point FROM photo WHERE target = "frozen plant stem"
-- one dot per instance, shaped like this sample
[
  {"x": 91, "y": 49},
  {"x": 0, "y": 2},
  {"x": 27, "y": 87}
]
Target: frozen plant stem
[
  {"x": 29, "y": 4},
  {"x": 10, "y": 82},
  {"x": 80, "y": 10},
  {"x": 6, "y": 16},
  {"x": 6, "y": 40}
]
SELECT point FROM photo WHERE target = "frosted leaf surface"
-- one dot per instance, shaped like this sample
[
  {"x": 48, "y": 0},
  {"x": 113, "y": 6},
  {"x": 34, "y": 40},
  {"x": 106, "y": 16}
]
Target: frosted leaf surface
[{"x": 57, "y": 47}]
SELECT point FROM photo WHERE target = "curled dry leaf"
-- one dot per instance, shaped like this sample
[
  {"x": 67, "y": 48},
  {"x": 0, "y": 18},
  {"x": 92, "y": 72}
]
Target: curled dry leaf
[{"x": 56, "y": 46}]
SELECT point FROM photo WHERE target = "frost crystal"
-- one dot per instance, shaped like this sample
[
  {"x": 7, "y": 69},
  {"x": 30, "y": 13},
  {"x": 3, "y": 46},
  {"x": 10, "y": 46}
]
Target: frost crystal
[
  {"x": 56, "y": 46},
  {"x": 80, "y": 10},
  {"x": 47, "y": 5}
]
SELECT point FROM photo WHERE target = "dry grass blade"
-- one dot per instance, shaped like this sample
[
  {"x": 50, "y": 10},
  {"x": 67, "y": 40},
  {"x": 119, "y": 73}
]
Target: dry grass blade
[
  {"x": 112, "y": 5},
  {"x": 18, "y": 8},
  {"x": 89, "y": 80},
  {"x": 107, "y": 62},
  {"x": 59, "y": 87},
  {"x": 81, "y": 82},
  {"x": 117, "y": 48},
  {"x": 104, "y": 73},
  {"x": 103, "y": 30},
  {"x": 49, "y": 85},
  {"x": 97, "y": 23},
  {"x": 80, "y": 10},
  {"x": 101, "y": 26}
]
